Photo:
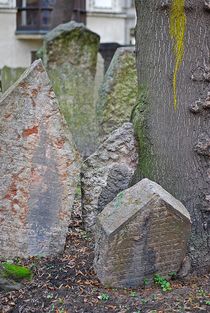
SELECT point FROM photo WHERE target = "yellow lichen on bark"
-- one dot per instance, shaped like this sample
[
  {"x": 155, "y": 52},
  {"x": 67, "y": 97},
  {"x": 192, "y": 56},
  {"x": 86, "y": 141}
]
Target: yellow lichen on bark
[{"x": 177, "y": 32}]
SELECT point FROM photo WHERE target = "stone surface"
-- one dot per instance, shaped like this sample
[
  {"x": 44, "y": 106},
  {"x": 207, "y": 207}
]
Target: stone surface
[
  {"x": 118, "y": 93},
  {"x": 39, "y": 168},
  {"x": 108, "y": 171},
  {"x": 9, "y": 76},
  {"x": 143, "y": 231},
  {"x": 70, "y": 55}
]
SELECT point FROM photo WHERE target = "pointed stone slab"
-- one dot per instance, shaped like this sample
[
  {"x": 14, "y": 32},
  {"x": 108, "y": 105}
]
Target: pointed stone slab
[
  {"x": 70, "y": 56},
  {"x": 143, "y": 231},
  {"x": 118, "y": 92},
  {"x": 39, "y": 168}
]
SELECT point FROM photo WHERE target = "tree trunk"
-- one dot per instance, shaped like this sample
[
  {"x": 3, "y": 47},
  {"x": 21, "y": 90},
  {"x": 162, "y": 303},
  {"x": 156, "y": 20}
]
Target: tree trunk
[{"x": 172, "y": 117}]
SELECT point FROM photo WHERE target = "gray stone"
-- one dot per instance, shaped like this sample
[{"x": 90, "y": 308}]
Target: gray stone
[
  {"x": 9, "y": 285},
  {"x": 118, "y": 93},
  {"x": 9, "y": 76},
  {"x": 39, "y": 168},
  {"x": 70, "y": 56},
  {"x": 143, "y": 231},
  {"x": 107, "y": 172}
]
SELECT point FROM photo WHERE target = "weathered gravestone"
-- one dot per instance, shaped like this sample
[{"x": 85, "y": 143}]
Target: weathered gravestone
[
  {"x": 39, "y": 168},
  {"x": 108, "y": 171},
  {"x": 9, "y": 76},
  {"x": 143, "y": 231},
  {"x": 118, "y": 93},
  {"x": 70, "y": 55}
]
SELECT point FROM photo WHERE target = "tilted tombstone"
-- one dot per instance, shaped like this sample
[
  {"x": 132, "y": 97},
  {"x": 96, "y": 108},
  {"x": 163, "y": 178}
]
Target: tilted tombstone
[
  {"x": 118, "y": 93},
  {"x": 9, "y": 75},
  {"x": 70, "y": 55},
  {"x": 107, "y": 172},
  {"x": 39, "y": 168},
  {"x": 143, "y": 231}
]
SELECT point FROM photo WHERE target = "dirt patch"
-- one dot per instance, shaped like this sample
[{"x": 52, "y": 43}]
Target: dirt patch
[{"x": 68, "y": 284}]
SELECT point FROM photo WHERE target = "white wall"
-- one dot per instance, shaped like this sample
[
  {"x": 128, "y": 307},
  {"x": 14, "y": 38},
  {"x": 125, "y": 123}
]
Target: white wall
[
  {"x": 14, "y": 52},
  {"x": 111, "y": 19},
  {"x": 110, "y": 28}
]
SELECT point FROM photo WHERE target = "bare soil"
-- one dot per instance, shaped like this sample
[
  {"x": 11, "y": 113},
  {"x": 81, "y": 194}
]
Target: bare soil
[{"x": 68, "y": 284}]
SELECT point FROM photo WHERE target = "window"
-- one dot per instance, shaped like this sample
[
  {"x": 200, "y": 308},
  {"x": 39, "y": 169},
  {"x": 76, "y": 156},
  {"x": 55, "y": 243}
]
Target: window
[
  {"x": 103, "y": 4},
  {"x": 34, "y": 15}
]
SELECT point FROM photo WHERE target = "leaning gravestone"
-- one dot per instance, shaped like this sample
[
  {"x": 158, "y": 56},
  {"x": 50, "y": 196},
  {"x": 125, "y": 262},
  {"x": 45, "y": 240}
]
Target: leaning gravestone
[
  {"x": 9, "y": 76},
  {"x": 70, "y": 55},
  {"x": 118, "y": 93},
  {"x": 107, "y": 172},
  {"x": 39, "y": 168},
  {"x": 143, "y": 231}
]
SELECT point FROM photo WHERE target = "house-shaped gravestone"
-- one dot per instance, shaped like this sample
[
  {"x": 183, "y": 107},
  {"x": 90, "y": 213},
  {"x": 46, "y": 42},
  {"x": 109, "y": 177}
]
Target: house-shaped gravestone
[
  {"x": 39, "y": 168},
  {"x": 143, "y": 231}
]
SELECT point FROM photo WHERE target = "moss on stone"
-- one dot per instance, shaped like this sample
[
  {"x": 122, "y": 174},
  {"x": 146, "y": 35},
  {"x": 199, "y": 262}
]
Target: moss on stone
[
  {"x": 9, "y": 76},
  {"x": 139, "y": 118},
  {"x": 15, "y": 272}
]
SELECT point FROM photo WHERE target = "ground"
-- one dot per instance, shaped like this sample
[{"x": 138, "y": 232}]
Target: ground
[{"x": 68, "y": 284}]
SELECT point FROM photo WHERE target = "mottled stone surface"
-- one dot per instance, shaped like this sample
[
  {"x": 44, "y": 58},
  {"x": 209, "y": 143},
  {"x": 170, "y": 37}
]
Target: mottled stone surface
[
  {"x": 143, "y": 231},
  {"x": 118, "y": 93},
  {"x": 9, "y": 76},
  {"x": 70, "y": 55},
  {"x": 108, "y": 171},
  {"x": 39, "y": 168}
]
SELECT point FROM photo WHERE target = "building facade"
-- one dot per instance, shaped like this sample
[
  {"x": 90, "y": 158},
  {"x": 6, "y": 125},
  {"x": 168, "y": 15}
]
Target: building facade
[
  {"x": 113, "y": 20},
  {"x": 23, "y": 23}
]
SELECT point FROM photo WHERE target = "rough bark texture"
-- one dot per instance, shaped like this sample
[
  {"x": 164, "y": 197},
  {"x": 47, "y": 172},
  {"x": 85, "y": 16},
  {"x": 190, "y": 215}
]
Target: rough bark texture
[
  {"x": 39, "y": 168},
  {"x": 172, "y": 127},
  {"x": 143, "y": 231}
]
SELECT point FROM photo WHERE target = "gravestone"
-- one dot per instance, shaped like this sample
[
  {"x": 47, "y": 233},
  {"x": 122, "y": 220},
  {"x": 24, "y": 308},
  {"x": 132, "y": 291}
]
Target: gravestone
[
  {"x": 143, "y": 231},
  {"x": 70, "y": 55},
  {"x": 39, "y": 168},
  {"x": 9, "y": 76},
  {"x": 118, "y": 93},
  {"x": 107, "y": 172}
]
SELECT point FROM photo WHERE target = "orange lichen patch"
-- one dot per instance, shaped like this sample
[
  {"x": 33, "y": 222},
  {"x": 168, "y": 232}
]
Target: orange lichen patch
[
  {"x": 34, "y": 92},
  {"x": 59, "y": 143},
  {"x": 36, "y": 178},
  {"x": 23, "y": 84},
  {"x": 30, "y": 131}
]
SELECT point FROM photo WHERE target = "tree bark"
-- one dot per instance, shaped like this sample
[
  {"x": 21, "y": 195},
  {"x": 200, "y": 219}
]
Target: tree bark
[{"x": 172, "y": 117}]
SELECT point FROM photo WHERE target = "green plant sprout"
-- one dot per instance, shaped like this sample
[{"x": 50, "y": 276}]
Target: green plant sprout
[
  {"x": 103, "y": 297},
  {"x": 162, "y": 282}
]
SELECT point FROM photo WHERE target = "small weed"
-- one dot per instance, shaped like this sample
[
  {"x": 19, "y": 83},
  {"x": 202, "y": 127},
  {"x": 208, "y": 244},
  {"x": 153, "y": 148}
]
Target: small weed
[
  {"x": 162, "y": 282},
  {"x": 146, "y": 282},
  {"x": 202, "y": 292},
  {"x": 172, "y": 275},
  {"x": 85, "y": 235},
  {"x": 144, "y": 301},
  {"x": 103, "y": 297},
  {"x": 49, "y": 296},
  {"x": 133, "y": 294},
  {"x": 207, "y": 302}
]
